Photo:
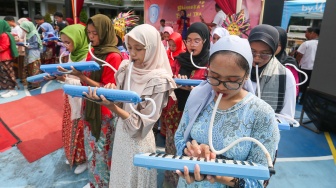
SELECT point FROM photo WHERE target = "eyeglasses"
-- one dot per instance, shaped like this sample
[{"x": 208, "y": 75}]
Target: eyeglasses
[
  {"x": 262, "y": 56},
  {"x": 196, "y": 42},
  {"x": 228, "y": 84}
]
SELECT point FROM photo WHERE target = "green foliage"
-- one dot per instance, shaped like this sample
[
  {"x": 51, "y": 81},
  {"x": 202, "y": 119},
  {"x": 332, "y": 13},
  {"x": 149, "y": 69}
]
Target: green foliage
[
  {"x": 83, "y": 16},
  {"x": 47, "y": 18}
]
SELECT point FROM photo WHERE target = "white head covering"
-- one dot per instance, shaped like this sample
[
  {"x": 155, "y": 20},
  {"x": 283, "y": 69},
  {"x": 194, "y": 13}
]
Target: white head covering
[
  {"x": 156, "y": 63},
  {"x": 168, "y": 29},
  {"x": 239, "y": 45},
  {"x": 221, "y": 32},
  {"x": 203, "y": 94},
  {"x": 22, "y": 20}
]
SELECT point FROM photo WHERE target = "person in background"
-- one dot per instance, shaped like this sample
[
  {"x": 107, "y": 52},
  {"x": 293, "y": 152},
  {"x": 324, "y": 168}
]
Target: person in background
[
  {"x": 74, "y": 39},
  {"x": 49, "y": 47},
  {"x": 170, "y": 117},
  {"x": 23, "y": 20},
  {"x": 183, "y": 24},
  {"x": 162, "y": 26},
  {"x": 32, "y": 60},
  {"x": 122, "y": 49},
  {"x": 218, "y": 33},
  {"x": 60, "y": 47},
  {"x": 176, "y": 47},
  {"x": 306, "y": 56},
  {"x": 39, "y": 19},
  {"x": 99, "y": 122},
  {"x": 16, "y": 30},
  {"x": 239, "y": 114},
  {"x": 217, "y": 21},
  {"x": 58, "y": 17},
  {"x": 198, "y": 44},
  {"x": 276, "y": 83},
  {"x": 284, "y": 59},
  {"x": 19, "y": 36},
  {"x": 167, "y": 31},
  {"x": 69, "y": 21},
  {"x": 8, "y": 52},
  {"x": 151, "y": 77}
]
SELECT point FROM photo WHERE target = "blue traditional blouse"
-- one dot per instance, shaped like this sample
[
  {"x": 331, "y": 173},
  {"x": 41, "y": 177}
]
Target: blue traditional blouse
[
  {"x": 251, "y": 117},
  {"x": 32, "y": 50}
]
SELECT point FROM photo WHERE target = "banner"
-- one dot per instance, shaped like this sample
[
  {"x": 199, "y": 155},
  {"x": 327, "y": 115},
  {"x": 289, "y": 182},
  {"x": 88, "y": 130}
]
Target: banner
[
  {"x": 155, "y": 10},
  {"x": 296, "y": 7}
]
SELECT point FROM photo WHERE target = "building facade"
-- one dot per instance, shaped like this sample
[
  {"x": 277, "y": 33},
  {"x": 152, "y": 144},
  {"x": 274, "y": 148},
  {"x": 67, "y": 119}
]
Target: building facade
[{"x": 29, "y": 8}]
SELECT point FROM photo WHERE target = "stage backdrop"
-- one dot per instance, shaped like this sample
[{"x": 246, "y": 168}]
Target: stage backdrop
[{"x": 155, "y": 10}]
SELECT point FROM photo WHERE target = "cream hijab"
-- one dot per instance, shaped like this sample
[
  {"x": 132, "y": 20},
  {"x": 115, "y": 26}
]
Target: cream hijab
[{"x": 156, "y": 63}]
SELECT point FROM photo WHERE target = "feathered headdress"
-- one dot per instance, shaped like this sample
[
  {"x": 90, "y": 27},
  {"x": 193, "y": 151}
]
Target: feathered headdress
[
  {"x": 236, "y": 23},
  {"x": 124, "y": 21}
]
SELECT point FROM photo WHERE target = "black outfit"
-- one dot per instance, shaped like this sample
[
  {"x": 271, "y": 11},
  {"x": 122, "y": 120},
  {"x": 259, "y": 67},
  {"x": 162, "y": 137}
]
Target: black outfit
[{"x": 200, "y": 60}]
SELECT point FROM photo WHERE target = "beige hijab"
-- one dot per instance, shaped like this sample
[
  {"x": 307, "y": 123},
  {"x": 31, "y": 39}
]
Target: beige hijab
[{"x": 156, "y": 63}]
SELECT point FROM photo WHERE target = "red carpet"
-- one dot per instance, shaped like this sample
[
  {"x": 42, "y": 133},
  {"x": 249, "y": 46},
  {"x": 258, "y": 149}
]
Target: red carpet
[
  {"x": 36, "y": 120},
  {"x": 7, "y": 137}
]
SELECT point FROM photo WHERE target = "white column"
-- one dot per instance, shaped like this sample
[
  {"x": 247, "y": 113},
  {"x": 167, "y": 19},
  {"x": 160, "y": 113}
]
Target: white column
[{"x": 239, "y": 5}]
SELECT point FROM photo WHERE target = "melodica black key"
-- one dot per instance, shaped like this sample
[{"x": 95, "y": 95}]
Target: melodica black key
[{"x": 219, "y": 167}]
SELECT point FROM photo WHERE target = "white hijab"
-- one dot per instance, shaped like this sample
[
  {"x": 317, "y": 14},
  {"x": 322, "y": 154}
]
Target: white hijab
[
  {"x": 156, "y": 63},
  {"x": 203, "y": 94},
  {"x": 221, "y": 32}
]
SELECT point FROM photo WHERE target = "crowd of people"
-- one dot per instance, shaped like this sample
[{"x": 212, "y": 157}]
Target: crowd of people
[{"x": 250, "y": 79}]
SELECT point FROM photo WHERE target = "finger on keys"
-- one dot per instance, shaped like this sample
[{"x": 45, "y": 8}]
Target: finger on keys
[
  {"x": 189, "y": 150},
  {"x": 196, "y": 148},
  {"x": 206, "y": 151}
]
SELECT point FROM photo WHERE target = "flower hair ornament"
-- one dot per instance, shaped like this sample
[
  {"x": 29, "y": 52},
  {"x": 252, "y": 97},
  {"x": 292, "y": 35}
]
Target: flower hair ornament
[
  {"x": 124, "y": 21},
  {"x": 236, "y": 23}
]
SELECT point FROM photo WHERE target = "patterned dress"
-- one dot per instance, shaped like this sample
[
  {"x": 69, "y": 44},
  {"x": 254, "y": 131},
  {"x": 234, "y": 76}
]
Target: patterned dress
[
  {"x": 134, "y": 135},
  {"x": 72, "y": 136},
  {"x": 250, "y": 117}
]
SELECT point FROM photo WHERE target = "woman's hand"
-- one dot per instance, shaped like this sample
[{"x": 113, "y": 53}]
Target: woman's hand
[
  {"x": 56, "y": 77},
  {"x": 193, "y": 149},
  {"x": 188, "y": 88},
  {"x": 73, "y": 71},
  {"x": 48, "y": 77},
  {"x": 92, "y": 96},
  {"x": 189, "y": 177}
]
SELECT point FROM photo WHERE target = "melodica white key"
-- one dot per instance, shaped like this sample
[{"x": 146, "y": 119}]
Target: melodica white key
[{"x": 220, "y": 167}]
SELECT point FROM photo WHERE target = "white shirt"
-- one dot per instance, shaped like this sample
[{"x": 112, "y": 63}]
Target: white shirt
[
  {"x": 161, "y": 28},
  {"x": 17, "y": 31},
  {"x": 218, "y": 20},
  {"x": 308, "y": 49},
  {"x": 288, "y": 109}
]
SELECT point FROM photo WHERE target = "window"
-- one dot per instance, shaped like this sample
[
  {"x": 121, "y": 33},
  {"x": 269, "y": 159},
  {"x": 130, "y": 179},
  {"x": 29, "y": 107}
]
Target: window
[{"x": 7, "y": 8}]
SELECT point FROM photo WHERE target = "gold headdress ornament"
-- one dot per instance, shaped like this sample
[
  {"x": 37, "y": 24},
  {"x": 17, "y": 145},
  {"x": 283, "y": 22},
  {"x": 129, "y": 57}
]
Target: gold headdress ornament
[
  {"x": 124, "y": 21},
  {"x": 236, "y": 23}
]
